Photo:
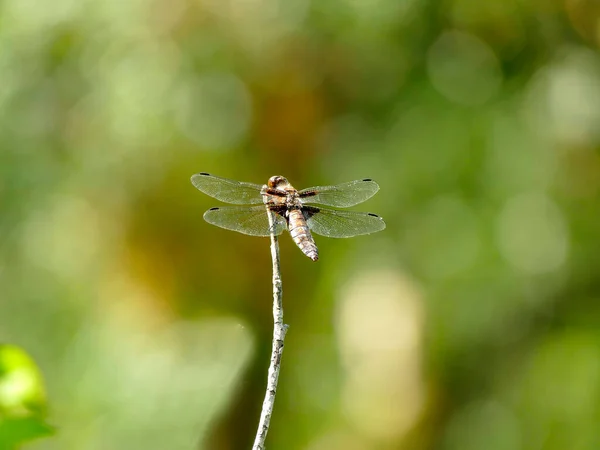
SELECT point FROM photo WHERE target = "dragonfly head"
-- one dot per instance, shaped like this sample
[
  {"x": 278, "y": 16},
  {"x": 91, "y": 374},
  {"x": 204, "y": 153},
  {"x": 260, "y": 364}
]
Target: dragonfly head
[{"x": 278, "y": 182}]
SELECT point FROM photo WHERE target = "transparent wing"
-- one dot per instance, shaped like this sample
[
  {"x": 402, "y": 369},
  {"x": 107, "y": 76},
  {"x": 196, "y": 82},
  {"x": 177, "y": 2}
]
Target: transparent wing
[
  {"x": 342, "y": 224},
  {"x": 247, "y": 220},
  {"x": 228, "y": 191},
  {"x": 341, "y": 195}
]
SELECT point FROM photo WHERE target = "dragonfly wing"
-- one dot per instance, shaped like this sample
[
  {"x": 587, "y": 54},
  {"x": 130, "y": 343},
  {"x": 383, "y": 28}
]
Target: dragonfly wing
[
  {"x": 341, "y": 195},
  {"x": 342, "y": 224},
  {"x": 228, "y": 191},
  {"x": 247, "y": 220}
]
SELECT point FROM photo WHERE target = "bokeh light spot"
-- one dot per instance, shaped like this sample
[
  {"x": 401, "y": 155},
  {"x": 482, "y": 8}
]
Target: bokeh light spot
[
  {"x": 63, "y": 238},
  {"x": 447, "y": 226},
  {"x": 463, "y": 68},
  {"x": 379, "y": 328},
  {"x": 532, "y": 234},
  {"x": 564, "y": 98},
  {"x": 215, "y": 110},
  {"x": 481, "y": 425}
]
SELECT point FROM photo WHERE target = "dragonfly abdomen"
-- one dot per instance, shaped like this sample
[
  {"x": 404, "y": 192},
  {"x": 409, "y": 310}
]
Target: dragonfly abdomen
[{"x": 301, "y": 234}]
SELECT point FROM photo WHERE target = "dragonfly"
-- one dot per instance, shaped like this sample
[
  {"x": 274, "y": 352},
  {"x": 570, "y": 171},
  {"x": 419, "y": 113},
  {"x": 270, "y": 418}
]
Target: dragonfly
[{"x": 295, "y": 211}]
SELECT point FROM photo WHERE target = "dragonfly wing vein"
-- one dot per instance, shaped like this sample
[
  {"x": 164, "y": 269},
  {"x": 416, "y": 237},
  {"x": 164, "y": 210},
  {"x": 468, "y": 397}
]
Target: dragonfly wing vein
[
  {"x": 341, "y": 195},
  {"x": 228, "y": 191},
  {"x": 342, "y": 224},
  {"x": 247, "y": 220}
]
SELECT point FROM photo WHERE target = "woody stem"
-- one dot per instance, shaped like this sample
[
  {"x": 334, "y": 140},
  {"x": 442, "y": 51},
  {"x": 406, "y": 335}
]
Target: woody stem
[{"x": 279, "y": 330}]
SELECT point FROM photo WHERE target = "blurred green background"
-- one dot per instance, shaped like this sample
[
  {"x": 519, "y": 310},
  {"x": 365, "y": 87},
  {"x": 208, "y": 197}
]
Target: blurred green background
[{"x": 472, "y": 322}]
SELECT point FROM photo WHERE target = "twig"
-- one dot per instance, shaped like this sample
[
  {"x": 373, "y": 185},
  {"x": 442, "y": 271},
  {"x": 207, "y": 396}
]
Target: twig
[{"x": 279, "y": 330}]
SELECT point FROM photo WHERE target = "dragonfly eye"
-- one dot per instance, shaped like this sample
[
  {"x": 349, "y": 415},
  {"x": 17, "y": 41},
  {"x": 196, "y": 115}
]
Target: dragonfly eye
[{"x": 277, "y": 181}]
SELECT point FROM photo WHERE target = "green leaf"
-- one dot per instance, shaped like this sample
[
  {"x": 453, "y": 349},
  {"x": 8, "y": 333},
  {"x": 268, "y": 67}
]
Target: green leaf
[
  {"x": 22, "y": 399},
  {"x": 14, "y": 431}
]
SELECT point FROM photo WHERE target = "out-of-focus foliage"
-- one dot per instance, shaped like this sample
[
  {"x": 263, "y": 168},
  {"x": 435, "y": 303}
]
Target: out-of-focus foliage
[
  {"x": 22, "y": 399},
  {"x": 472, "y": 321}
]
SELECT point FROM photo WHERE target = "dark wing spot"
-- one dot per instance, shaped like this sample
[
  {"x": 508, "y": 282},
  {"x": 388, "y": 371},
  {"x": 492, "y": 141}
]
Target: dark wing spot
[
  {"x": 309, "y": 211},
  {"x": 214, "y": 209},
  {"x": 367, "y": 179},
  {"x": 374, "y": 215},
  {"x": 204, "y": 173}
]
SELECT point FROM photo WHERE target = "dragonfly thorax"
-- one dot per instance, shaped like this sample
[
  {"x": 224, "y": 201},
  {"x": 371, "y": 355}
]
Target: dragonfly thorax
[
  {"x": 278, "y": 182},
  {"x": 280, "y": 192}
]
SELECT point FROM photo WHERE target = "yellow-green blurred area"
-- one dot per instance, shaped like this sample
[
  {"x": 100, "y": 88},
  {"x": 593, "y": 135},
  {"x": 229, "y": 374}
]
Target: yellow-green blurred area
[{"x": 472, "y": 322}]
